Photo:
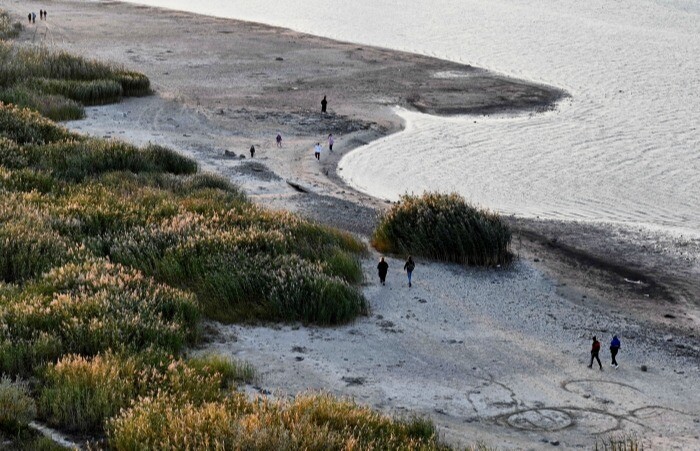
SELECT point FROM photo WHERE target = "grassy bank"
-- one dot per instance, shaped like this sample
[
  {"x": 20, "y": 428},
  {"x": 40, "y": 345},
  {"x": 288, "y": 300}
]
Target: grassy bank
[
  {"x": 57, "y": 84},
  {"x": 443, "y": 227},
  {"x": 109, "y": 256}
]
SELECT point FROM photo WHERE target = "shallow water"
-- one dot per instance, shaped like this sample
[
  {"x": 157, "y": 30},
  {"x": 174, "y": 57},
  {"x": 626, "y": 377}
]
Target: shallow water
[{"x": 624, "y": 148}]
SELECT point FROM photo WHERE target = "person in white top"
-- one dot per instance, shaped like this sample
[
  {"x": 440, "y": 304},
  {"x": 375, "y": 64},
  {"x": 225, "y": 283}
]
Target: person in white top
[{"x": 317, "y": 151}]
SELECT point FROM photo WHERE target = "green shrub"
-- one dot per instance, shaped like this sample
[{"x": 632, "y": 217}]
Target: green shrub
[
  {"x": 54, "y": 107},
  {"x": 87, "y": 92},
  {"x": 88, "y": 308},
  {"x": 28, "y": 245},
  {"x": 76, "y": 160},
  {"x": 134, "y": 84},
  {"x": 443, "y": 227},
  {"x": 24, "y": 126},
  {"x": 232, "y": 371},
  {"x": 11, "y": 154},
  {"x": 17, "y": 408},
  {"x": 79, "y": 393},
  {"x": 167, "y": 160},
  {"x": 26, "y": 180},
  {"x": 8, "y": 29}
]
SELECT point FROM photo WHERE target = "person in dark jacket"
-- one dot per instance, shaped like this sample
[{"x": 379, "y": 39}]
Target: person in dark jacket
[
  {"x": 252, "y": 151},
  {"x": 382, "y": 268},
  {"x": 595, "y": 349},
  {"x": 409, "y": 266},
  {"x": 614, "y": 347},
  {"x": 324, "y": 104}
]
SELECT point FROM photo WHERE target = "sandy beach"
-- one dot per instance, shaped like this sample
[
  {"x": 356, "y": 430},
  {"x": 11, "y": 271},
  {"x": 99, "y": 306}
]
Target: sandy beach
[{"x": 493, "y": 355}]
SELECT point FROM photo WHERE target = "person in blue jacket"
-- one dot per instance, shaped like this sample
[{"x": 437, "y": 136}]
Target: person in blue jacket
[{"x": 614, "y": 347}]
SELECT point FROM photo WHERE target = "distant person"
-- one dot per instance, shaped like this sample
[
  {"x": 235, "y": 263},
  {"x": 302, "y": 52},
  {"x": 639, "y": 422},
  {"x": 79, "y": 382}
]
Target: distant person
[
  {"x": 382, "y": 269},
  {"x": 317, "y": 151},
  {"x": 324, "y": 104},
  {"x": 595, "y": 349},
  {"x": 279, "y": 140},
  {"x": 252, "y": 151},
  {"x": 614, "y": 348},
  {"x": 409, "y": 266},
  {"x": 45, "y": 13},
  {"x": 41, "y": 14},
  {"x": 33, "y": 17},
  {"x": 29, "y": 16},
  {"x": 330, "y": 142}
]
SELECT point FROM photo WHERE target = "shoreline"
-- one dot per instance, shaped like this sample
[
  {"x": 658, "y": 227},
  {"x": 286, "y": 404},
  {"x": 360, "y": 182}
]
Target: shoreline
[{"x": 250, "y": 101}]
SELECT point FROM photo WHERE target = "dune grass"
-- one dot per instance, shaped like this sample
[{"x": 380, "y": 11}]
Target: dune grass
[{"x": 443, "y": 227}]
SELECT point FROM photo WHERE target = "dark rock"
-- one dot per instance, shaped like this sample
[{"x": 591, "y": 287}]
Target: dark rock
[
  {"x": 353, "y": 380},
  {"x": 668, "y": 315},
  {"x": 555, "y": 442},
  {"x": 228, "y": 153},
  {"x": 279, "y": 58},
  {"x": 644, "y": 368},
  {"x": 298, "y": 358}
]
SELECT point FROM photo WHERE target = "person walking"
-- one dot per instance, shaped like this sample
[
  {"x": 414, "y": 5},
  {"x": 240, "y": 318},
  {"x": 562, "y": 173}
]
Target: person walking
[
  {"x": 330, "y": 142},
  {"x": 252, "y": 151},
  {"x": 595, "y": 349},
  {"x": 279, "y": 140},
  {"x": 324, "y": 104},
  {"x": 317, "y": 151},
  {"x": 33, "y": 17},
  {"x": 409, "y": 266},
  {"x": 614, "y": 347},
  {"x": 382, "y": 269}
]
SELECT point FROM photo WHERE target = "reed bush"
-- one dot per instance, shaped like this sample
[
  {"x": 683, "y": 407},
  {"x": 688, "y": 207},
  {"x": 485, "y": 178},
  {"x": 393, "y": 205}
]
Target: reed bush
[
  {"x": 54, "y": 107},
  {"x": 80, "y": 393},
  {"x": 26, "y": 180},
  {"x": 232, "y": 371},
  {"x": 134, "y": 84},
  {"x": 87, "y": 92},
  {"x": 8, "y": 28},
  {"x": 28, "y": 245},
  {"x": 443, "y": 227},
  {"x": 167, "y": 160},
  {"x": 307, "y": 422},
  {"x": 87, "y": 308},
  {"x": 24, "y": 126},
  {"x": 17, "y": 408},
  {"x": 75, "y": 160}
]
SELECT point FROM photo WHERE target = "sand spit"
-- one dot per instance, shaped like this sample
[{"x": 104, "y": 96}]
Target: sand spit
[{"x": 497, "y": 355}]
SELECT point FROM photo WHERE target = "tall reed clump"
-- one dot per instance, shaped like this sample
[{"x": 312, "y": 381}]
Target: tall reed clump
[
  {"x": 8, "y": 28},
  {"x": 80, "y": 393},
  {"x": 17, "y": 408},
  {"x": 88, "y": 308},
  {"x": 443, "y": 227},
  {"x": 58, "y": 84},
  {"x": 308, "y": 422}
]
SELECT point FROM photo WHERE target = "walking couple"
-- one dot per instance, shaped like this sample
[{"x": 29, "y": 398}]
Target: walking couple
[
  {"x": 383, "y": 268},
  {"x": 595, "y": 349}
]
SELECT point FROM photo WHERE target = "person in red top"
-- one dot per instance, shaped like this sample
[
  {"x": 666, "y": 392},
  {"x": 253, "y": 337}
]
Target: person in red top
[{"x": 595, "y": 349}]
